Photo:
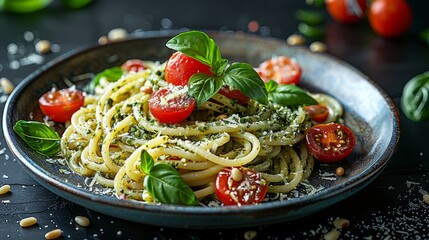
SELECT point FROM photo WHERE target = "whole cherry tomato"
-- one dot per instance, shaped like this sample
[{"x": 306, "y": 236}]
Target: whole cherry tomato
[
  {"x": 240, "y": 186},
  {"x": 346, "y": 11},
  {"x": 282, "y": 69},
  {"x": 133, "y": 65},
  {"x": 330, "y": 142},
  {"x": 180, "y": 68},
  {"x": 171, "y": 105},
  {"x": 390, "y": 18},
  {"x": 59, "y": 105}
]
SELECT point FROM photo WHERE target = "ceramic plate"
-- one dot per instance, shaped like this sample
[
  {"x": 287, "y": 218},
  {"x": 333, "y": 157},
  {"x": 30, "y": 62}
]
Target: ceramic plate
[{"x": 369, "y": 112}]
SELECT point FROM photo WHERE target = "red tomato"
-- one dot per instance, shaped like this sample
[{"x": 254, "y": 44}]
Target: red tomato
[
  {"x": 180, "y": 68},
  {"x": 390, "y": 18},
  {"x": 250, "y": 188},
  {"x": 133, "y": 65},
  {"x": 346, "y": 11},
  {"x": 281, "y": 69},
  {"x": 330, "y": 142},
  {"x": 318, "y": 113},
  {"x": 234, "y": 94},
  {"x": 59, "y": 105},
  {"x": 171, "y": 105}
]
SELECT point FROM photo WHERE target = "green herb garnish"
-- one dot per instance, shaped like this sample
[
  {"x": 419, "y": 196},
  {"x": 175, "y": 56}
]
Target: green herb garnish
[
  {"x": 111, "y": 75},
  {"x": 202, "y": 87},
  {"x": 415, "y": 98},
  {"x": 39, "y": 137},
  {"x": 164, "y": 183},
  {"x": 288, "y": 94},
  {"x": 309, "y": 17}
]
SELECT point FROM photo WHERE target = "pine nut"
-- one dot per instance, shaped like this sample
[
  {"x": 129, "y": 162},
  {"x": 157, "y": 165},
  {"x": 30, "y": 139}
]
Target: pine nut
[
  {"x": 222, "y": 116},
  {"x": 339, "y": 171},
  {"x": 82, "y": 221},
  {"x": 332, "y": 235},
  {"x": 249, "y": 235},
  {"x": 54, "y": 234},
  {"x": 4, "y": 189},
  {"x": 28, "y": 222},
  {"x": 426, "y": 198},
  {"x": 236, "y": 174},
  {"x": 103, "y": 40},
  {"x": 341, "y": 223},
  {"x": 117, "y": 34},
  {"x": 43, "y": 46},
  {"x": 295, "y": 39},
  {"x": 6, "y": 85},
  {"x": 318, "y": 47}
]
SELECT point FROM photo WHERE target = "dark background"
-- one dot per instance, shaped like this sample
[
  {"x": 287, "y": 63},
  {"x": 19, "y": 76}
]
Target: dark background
[{"x": 391, "y": 207}]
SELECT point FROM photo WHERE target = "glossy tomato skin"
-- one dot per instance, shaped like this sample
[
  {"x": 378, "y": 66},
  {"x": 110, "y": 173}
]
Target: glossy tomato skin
[
  {"x": 330, "y": 142},
  {"x": 133, "y": 65},
  {"x": 318, "y": 113},
  {"x": 59, "y": 105},
  {"x": 180, "y": 68},
  {"x": 234, "y": 94},
  {"x": 282, "y": 69},
  {"x": 167, "y": 106},
  {"x": 345, "y": 11},
  {"x": 390, "y": 18},
  {"x": 251, "y": 189}
]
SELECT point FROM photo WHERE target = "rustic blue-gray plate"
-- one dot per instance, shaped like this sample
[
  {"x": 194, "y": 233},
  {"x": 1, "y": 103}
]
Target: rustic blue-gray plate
[{"x": 369, "y": 112}]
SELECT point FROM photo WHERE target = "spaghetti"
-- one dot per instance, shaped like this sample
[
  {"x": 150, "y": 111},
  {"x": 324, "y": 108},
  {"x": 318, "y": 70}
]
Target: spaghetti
[{"x": 106, "y": 137}]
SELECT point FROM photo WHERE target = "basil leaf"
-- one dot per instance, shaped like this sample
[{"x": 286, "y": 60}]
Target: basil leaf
[
  {"x": 164, "y": 183},
  {"x": 146, "y": 162},
  {"x": 201, "y": 47},
  {"x": 243, "y": 77},
  {"x": 415, "y": 98},
  {"x": 111, "y": 74},
  {"x": 289, "y": 94},
  {"x": 202, "y": 87},
  {"x": 271, "y": 86},
  {"x": 39, "y": 137}
]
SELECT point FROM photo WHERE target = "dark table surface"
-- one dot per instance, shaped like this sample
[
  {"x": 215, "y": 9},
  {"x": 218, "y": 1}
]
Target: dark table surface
[{"x": 391, "y": 207}]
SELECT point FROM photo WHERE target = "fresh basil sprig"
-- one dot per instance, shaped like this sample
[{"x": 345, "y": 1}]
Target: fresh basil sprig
[
  {"x": 415, "y": 98},
  {"x": 111, "y": 74},
  {"x": 288, "y": 94},
  {"x": 164, "y": 183},
  {"x": 39, "y": 137},
  {"x": 202, "y": 87}
]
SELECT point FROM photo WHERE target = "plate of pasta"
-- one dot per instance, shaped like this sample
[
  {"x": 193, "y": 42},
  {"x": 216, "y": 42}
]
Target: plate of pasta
[{"x": 196, "y": 130}]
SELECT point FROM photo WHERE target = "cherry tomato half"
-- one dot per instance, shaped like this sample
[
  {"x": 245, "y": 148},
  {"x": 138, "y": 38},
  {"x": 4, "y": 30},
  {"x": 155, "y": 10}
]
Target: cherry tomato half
[
  {"x": 59, "y": 105},
  {"x": 330, "y": 142},
  {"x": 240, "y": 186},
  {"x": 282, "y": 69},
  {"x": 133, "y": 65},
  {"x": 171, "y": 105},
  {"x": 180, "y": 68},
  {"x": 318, "y": 113},
  {"x": 346, "y": 11},
  {"x": 234, "y": 94},
  {"x": 390, "y": 18}
]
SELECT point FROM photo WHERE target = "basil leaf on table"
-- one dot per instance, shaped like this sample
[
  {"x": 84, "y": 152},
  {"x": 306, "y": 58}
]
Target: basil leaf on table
[
  {"x": 243, "y": 77},
  {"x": 39, "y": 137},
  {"x": 415, "y": 98},
  {"x": 203, "y": 86},
  {"x": 164, "y": 183},
  {"x": 111, "y": 75},
  {"x": 288, "y": 95},
  {"x": 309, "y": 17}
]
